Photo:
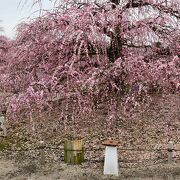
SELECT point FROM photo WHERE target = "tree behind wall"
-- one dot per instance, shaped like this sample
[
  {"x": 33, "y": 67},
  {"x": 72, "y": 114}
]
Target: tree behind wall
[{"x": 116, "y": 53}]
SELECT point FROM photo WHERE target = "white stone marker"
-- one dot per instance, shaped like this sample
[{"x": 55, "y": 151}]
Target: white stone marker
[
  {"x": 2, "y": 126},
  {"x": 111, "y": 158}
]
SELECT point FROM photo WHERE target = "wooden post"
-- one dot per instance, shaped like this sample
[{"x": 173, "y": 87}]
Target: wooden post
[
  {"x": 73, "y": 152},
  {"x": 42, "y": 156},
  {"x": 170, "y": 151},
  {"x": 2, "y": 125}
]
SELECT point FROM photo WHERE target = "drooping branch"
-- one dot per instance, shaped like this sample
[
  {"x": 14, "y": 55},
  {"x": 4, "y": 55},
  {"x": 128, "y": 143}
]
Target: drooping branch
[
  {"x": 159, "y": 6},
  {"x": 135, "y": 4}
]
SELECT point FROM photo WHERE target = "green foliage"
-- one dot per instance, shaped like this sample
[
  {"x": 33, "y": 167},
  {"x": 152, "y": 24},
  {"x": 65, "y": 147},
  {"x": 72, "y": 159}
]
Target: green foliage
[{"x": 3, "y": 146}]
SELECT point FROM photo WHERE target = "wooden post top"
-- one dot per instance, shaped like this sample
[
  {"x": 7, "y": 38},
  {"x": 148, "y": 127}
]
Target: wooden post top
[{"x": 110, "y": 142}]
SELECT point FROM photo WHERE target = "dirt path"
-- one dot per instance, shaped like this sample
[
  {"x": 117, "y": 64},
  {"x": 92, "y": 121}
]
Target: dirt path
[{"x": 9, "y": 170}]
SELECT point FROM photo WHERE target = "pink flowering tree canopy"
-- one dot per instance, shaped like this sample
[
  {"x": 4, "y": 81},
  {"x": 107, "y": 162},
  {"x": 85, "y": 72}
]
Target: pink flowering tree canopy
[{"x": 117, "y": 53}]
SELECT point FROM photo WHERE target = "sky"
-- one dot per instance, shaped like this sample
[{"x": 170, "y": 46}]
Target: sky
[{"x": 11, "y": 14}]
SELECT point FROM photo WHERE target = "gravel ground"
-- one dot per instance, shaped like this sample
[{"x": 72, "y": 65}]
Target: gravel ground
[{"x": 11, "y": 170}]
